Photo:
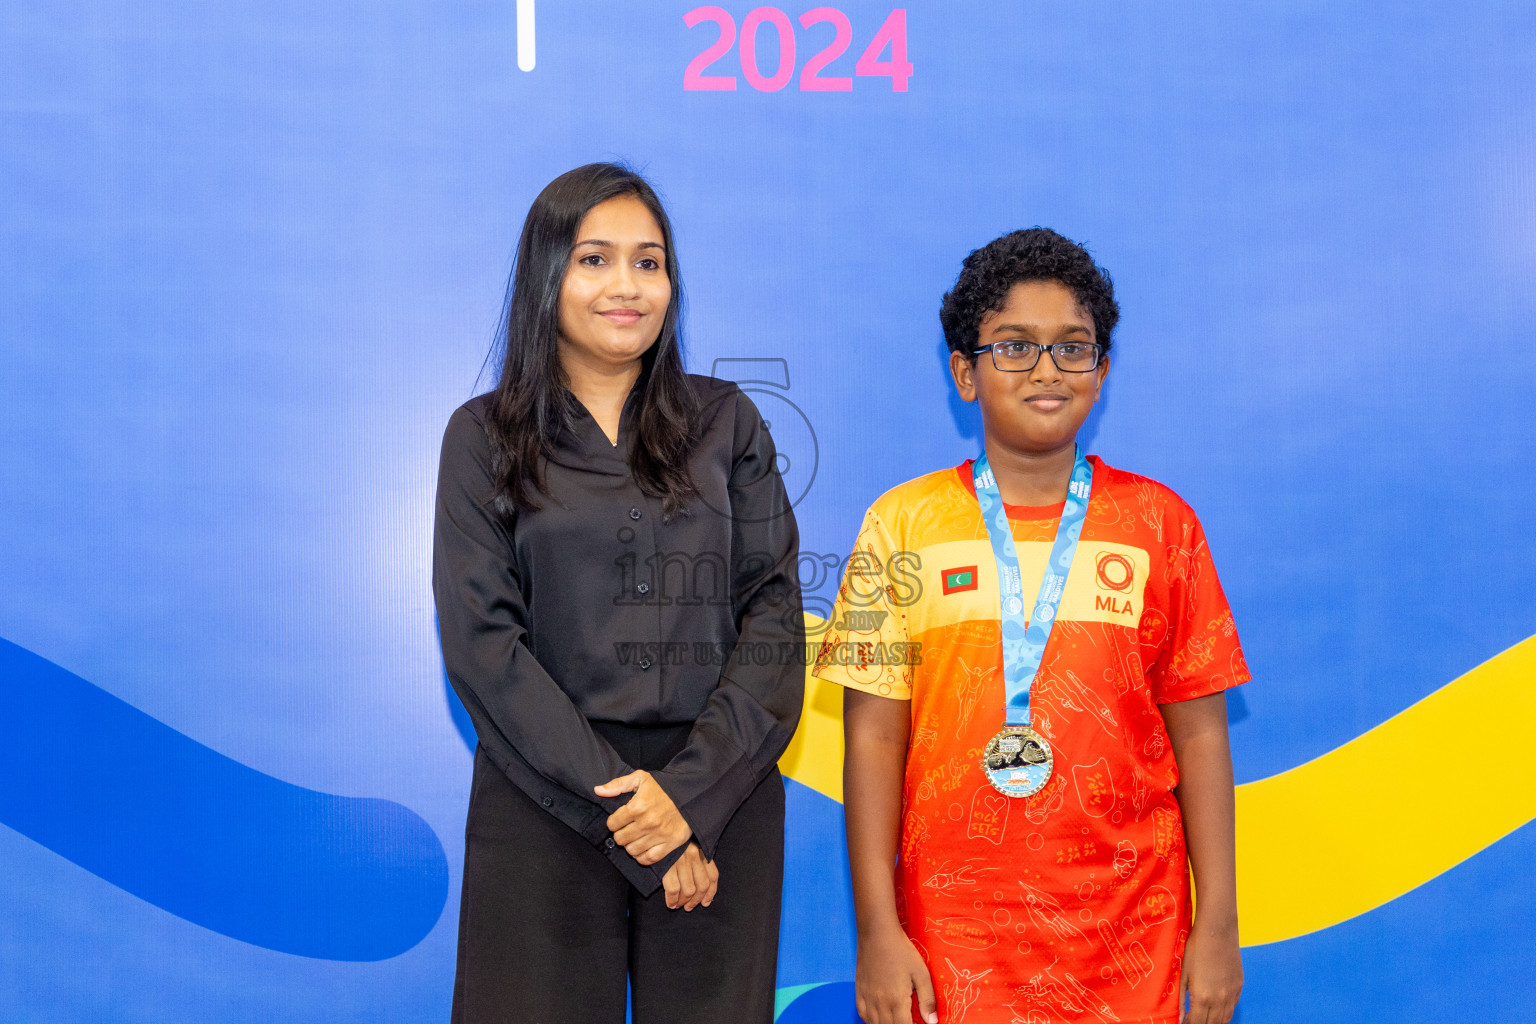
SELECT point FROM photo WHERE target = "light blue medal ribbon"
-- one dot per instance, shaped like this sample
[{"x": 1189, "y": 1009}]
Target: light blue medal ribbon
[{"x": 1018, "y": 760}]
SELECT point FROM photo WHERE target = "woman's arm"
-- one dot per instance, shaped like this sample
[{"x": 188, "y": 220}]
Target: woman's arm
[
  {"x": 482, "y": 619},
  {"x": 876, "y": 731},
  {"x": 1213, "y": 967},
  {"x": 751, "y": 716}
]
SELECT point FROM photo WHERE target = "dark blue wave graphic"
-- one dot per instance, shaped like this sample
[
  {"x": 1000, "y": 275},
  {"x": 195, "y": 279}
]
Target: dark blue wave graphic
[{"x": 205, "y": 837}]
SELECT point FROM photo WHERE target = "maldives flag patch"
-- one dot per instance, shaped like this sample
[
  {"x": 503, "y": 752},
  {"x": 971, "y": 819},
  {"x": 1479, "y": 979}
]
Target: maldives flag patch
[{"x": 956, "y": 580}]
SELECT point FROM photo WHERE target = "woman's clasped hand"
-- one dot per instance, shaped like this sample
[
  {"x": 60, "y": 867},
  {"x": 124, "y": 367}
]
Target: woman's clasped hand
[
  {"x": 692, "y": 881},
  {"x": 649, "y": 827}
]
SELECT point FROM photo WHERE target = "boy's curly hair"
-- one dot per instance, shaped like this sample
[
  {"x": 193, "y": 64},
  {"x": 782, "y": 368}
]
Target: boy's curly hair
[{"x": 1038, "y": 254}]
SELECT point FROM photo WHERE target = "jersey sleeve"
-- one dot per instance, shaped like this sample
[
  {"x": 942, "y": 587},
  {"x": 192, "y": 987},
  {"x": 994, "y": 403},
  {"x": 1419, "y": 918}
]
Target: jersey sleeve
[
  {"x": 1202, "y": 654},
  {"x": 865, "y": 645}
]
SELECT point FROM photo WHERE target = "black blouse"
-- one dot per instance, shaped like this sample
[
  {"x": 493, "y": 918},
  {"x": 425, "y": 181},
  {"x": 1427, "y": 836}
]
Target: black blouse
[{"x": 591, "y": 608}]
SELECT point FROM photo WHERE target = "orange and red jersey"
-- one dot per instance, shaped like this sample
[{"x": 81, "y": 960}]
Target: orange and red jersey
[{"x": 1072, "y": 904}]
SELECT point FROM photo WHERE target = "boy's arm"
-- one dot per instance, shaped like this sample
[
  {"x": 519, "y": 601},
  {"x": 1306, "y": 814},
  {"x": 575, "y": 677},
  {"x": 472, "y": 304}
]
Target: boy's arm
[
  {"x": 875, "y": 732},
  {"x": 1213, "y": 967}
]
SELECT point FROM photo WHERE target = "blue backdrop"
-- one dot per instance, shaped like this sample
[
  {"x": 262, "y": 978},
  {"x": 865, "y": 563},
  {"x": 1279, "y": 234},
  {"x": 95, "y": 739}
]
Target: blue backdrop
[{"x": 252, "y": 256}]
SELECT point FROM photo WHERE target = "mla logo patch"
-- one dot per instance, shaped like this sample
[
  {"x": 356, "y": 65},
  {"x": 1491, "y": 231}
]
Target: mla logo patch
[
  {"x": 956, "y": 580},
  {"x": 1116, "y": 572}
]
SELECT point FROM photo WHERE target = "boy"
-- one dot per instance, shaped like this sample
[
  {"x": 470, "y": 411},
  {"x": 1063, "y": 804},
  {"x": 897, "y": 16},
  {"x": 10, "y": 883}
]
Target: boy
[{"x": 1036, "y": 789}]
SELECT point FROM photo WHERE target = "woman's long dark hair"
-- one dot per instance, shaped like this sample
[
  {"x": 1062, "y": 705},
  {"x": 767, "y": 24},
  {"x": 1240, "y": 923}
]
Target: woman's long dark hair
[{"x": 533, "y": 403}]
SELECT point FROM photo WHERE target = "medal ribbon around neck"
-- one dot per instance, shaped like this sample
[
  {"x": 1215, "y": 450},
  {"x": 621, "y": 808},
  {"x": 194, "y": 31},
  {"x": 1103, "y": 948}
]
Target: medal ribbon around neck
[{"x": 1018, "y": 760}]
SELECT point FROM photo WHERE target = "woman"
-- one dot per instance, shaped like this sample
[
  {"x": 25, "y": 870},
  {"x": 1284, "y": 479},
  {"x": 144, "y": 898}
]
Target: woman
[{"x": 614, "y": 551}]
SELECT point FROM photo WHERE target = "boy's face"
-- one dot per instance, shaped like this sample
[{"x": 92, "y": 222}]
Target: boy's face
[{"x": 1038, "y": 410}]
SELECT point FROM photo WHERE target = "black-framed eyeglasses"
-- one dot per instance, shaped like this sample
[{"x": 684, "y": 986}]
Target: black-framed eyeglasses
[{"x": 1016, "y": 356}]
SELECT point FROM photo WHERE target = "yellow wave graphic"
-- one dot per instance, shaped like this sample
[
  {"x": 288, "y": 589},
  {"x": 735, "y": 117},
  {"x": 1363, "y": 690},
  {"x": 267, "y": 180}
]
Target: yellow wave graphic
[
  {"x": 1392, "y": 808},
  {"x": 815, "y": 756},
  {"x": 1353, "y": 829}
]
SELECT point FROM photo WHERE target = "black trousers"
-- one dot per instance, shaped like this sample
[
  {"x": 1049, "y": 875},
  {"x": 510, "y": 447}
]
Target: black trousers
[{"x": 549, "y": 932}]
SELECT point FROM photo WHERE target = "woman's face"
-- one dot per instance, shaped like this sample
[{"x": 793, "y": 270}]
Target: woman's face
[
  {"x": 1041, "y": 409},
  {"x": 616, "y": 291}
]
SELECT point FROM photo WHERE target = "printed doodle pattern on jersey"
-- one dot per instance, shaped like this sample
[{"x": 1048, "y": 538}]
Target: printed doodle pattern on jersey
[{"x": 1071, "y": 905}]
